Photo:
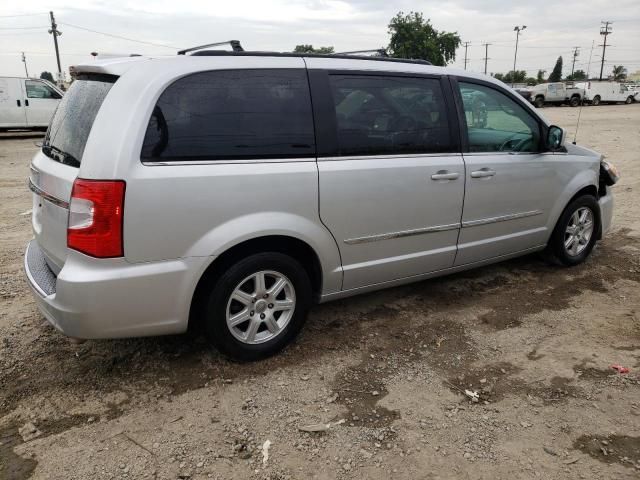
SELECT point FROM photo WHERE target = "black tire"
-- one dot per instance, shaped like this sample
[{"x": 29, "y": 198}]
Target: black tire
[
  {"x": 629, "y": 100},
  {"x": 596, "y": 101},
  {"x": 556, "y": 246},
  {"x": 539, "y": 102},
  {"x": 215, "y": 311},
  {"x": 574, "y": 101}
]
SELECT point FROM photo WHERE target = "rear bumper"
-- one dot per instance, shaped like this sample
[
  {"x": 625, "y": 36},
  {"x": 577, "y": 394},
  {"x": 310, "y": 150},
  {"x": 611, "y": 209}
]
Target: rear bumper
[
  {"x": 111, "y": 298},
  {"x": 606, "y": 211}
]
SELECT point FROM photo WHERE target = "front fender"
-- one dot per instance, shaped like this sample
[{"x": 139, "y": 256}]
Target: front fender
[
  {"x": 585, "y": 178},
  {"x": 247, "y": 227}
]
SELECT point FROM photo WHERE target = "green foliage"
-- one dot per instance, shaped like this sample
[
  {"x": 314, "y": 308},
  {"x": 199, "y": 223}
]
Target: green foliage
[
  {"x": 540, "y": 76},
  {"x": 577, "y": 76},
  {"x": 619, "y": 73},
  {"x": 47, "y": 76},
  {"x": 414, "y": 37},
  {"x": 556, "y": 73},
  {"x": 310, "y": 49},
  {"x": 520, "y": 76},
  {"x": 530, "y": 81}
]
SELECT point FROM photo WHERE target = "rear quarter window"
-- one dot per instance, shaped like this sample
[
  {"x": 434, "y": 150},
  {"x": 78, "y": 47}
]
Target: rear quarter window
[{"x": 232, "y": 115}]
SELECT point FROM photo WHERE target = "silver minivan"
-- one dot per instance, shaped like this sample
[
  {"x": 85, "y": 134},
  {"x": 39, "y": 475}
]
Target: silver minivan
[{"x": 231, "y": 190}]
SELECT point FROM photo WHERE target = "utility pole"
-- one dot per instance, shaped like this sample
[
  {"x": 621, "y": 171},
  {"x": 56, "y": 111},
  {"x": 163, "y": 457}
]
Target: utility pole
[
  {"x": 466, "y": 46},
  {"x": 56, "y": 33},
  {"x": 486, "y": 56},
  {"x": 516, "y": 29},
  {"x": 605, "y": 30},
  {"x": 24, "y": 60},
  {"x": 576, "y": 52}
]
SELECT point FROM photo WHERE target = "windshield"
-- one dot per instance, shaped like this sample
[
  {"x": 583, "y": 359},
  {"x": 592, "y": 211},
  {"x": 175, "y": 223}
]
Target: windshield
[{"x": 71, "y": 124}]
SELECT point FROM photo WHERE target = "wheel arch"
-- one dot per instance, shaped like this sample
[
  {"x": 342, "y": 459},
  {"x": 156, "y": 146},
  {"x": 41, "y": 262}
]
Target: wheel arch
[
  {"x": 288, "y": 245},
  {"x": 574, "y": 190}
]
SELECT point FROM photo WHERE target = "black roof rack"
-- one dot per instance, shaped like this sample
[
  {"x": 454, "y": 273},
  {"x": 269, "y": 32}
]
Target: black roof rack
[
  {"x": 380, "y": 52},
  {"x": 235, "y": 46},
  {"x": 224, "y": 53}
]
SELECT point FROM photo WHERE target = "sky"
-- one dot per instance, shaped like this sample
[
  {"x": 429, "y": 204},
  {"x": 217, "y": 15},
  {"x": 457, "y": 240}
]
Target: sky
[{"x": 161, "y": 27}]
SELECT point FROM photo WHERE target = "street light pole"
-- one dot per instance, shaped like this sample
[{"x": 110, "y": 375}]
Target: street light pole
[{"x": 516, "y": 29}]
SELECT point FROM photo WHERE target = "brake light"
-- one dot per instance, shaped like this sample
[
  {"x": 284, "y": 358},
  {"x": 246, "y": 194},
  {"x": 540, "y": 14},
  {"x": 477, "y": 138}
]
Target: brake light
[{"x": 95, "y": 217}]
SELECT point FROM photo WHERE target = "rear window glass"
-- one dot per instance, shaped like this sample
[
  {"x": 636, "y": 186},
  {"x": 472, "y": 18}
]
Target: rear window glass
[
  {"x": 232, "y": 115},
  {"x": 69, "y": 129}
]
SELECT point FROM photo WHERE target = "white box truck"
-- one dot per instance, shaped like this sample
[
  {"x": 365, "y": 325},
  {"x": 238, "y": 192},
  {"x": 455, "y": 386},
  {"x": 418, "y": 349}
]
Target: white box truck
[
  {"x": 596, "y": 93},
  {"x": 27, "y": 102}
]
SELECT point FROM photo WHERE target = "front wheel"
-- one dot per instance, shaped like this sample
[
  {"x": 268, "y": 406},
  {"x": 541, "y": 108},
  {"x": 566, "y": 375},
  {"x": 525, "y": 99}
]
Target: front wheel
[
  {"x": 539, "y": 102},
  {"x": 596, "y": 101},
  {"x": 629, "y": 100},
  {"x": 258, "y": 306},
  {"x": 575, "y": 101},
  {"x": 576, "y": 231}
]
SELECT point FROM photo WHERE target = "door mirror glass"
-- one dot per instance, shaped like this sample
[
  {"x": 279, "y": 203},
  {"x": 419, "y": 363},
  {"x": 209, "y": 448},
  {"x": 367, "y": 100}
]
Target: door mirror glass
[{"x": 555, "y": 138}]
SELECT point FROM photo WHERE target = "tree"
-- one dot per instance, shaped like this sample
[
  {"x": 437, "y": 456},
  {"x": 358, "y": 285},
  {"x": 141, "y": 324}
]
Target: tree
[
  {"x": 530, "y": 81},
  {"x": 619, "y": 73},
  {"x": 499, "y": 76},
  {"x": 520, "y": 76},
  {"x": 577, "y": 76},
  {"x": 47, "y": 76},
  {"x": 310, "y": 49},
  {"x": 556, "y": 73},
  {"x": 414, "y": 37},
  {"x": 540, "y": 76}
]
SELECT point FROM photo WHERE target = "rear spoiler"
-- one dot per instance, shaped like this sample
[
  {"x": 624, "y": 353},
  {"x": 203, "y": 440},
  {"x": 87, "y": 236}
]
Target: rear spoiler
[{"x": 110, "y": 66}]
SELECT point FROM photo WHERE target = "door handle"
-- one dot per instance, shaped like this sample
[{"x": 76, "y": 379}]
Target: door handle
[
  {"x": 482, "y": 173},
  {"x": 445, "y": 175},
  {"x": 26, "y": 103},
  {"x": 18, "y": 102}
]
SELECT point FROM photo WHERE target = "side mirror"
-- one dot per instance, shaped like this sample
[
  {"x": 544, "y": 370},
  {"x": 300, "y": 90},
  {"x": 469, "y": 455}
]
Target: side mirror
[{"x": 555, "y": 138}]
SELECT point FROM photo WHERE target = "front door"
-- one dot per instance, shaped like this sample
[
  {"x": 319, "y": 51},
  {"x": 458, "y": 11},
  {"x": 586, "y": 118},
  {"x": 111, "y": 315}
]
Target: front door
[
  {"x": 392, "y": 186},
  {"x": 511, "y": 184},
  {"x": 41, "y": 101}
]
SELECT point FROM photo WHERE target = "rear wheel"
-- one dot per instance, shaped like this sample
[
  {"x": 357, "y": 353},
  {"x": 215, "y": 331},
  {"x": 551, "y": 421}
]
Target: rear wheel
[
  {"x": 596, "y": 100},
  {"x": 575, "y": 101},
  {"x": 539, "y": 102},
  {"x": 629, "y": 100},
  {"x": 258, "y": 306},
  {"x": 576, "y": 231}
]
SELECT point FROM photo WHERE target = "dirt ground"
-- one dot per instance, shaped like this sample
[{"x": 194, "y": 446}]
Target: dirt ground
[{"x": 386, "y": 371}]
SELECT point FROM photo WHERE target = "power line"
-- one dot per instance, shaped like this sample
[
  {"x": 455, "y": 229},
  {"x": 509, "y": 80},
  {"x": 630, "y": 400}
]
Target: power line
[
  {"x": 119, "y": 36},
  {"x": 23, "y": 15},
  {"x": 23, "y": 28}
]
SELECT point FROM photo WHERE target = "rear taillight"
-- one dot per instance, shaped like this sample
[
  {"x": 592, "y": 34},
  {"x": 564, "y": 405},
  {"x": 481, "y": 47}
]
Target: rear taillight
[{"x": 95, "y": 217}]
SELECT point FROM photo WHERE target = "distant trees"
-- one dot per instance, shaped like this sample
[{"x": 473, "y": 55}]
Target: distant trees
[
  {"x": 47, "y": 76},
  {"x": 577, "y": 75},
  {"x": 540, "y": 76},
  {"x": 414, "y": 37},
  {"x": 520, "y": 76},
  {"x": 619, "y": 73},
  {"x": 311, "y": 49},
  {"x": 556, "y": 73}
]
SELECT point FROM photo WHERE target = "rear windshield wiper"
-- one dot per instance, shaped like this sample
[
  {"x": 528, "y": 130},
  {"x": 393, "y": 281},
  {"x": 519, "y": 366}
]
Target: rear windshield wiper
[{"x": 60, "y": 156}]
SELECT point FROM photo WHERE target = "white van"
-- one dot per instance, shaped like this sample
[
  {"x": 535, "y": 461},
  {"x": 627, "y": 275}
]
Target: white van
[
  {"x": 27, "y": 102},
  {"x": 601, "y": 92}
]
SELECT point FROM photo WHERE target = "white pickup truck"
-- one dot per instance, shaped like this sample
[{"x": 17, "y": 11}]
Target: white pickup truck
[
  {"x": 596, "y": 93},
  {"x": 556, "y": 93}
]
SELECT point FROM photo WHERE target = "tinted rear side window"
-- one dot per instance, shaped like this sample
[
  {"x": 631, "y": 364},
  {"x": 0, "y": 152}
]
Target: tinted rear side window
[
  {"x": 71, "y": 124},
  {"x": 389, "y": 115},
  {"x": 232, "y": 115}
]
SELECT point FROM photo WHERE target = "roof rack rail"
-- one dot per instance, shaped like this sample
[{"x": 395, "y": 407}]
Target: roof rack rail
[
  {"x": 225, "y": 53},
  {"x": 235, "y": 46},
  {"x": 381, "y": 52}
]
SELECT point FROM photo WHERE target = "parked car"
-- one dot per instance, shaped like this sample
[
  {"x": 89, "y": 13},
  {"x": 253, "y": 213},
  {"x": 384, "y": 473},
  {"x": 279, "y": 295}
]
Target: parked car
[
  {"x": 556, "y": 93},
  {"x": 231, "y": 190},
  {"x": 608, "y": 92},
  {"x": 27, "y": 102},
  {"x": 525, "y": 92}
]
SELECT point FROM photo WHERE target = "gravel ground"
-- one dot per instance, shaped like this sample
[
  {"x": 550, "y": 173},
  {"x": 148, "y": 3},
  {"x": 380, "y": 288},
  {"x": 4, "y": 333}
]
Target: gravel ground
[{"x": 382, "y": 375}]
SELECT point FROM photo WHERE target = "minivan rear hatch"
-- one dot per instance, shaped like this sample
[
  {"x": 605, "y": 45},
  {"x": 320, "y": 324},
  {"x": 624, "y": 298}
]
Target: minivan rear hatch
[{"x": 56, "y": 166}]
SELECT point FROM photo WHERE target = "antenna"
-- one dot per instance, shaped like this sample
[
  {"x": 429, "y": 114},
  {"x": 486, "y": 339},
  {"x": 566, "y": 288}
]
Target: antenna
[{"x": 575, "y": 136}]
